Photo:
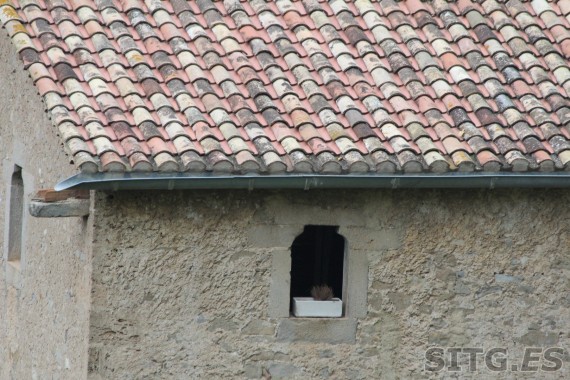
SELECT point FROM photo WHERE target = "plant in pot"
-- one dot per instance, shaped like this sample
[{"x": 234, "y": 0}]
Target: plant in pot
[{"x": 322, "y": 303}]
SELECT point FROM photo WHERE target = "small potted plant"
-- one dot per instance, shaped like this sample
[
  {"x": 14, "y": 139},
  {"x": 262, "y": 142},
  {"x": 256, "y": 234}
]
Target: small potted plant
[{"x": 321, "y": 304}]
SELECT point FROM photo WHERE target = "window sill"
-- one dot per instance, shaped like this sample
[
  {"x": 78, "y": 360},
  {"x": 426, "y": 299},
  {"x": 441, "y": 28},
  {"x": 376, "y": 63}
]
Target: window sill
[
  {"x": 14, "y": 273},
  {"x": 317, "y": 330}
]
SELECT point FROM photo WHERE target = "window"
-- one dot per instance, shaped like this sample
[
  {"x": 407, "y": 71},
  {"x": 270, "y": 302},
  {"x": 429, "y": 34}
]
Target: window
[
  {"x": 16, "y": 215},
  {"x": 294, "y": 252},
  {"x": 317, "y": 259}
]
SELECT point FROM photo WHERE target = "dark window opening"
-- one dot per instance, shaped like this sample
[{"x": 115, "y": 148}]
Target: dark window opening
[
  {"x": 317, "y": 258},
  {"x": 16, "y": 216}
]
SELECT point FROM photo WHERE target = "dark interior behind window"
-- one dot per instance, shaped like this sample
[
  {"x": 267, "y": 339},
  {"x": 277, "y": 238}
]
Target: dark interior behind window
[{"x": 317, "y": 258}]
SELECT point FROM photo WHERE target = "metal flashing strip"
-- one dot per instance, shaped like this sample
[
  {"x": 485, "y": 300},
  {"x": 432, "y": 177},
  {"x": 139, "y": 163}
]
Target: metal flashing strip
[{"x": 178, "y": 181}]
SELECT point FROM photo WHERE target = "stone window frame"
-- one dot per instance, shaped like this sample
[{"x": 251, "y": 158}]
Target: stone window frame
[
  {"x": 325, "y": 330},
  {"x": 14, "y": 271}
]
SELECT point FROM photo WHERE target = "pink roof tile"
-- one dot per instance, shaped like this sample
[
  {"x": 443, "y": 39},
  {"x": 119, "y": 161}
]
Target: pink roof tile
[{"x": 301, "y": 85}]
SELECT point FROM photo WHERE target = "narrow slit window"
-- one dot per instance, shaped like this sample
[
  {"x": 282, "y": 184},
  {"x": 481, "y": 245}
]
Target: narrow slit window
[
  {"x": 317, "y": 270},
  {"x": 16, "y": 216}
]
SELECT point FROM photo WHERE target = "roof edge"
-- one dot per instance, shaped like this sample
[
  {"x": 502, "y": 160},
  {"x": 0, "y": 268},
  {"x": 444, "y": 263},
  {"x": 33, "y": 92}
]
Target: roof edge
[{"x": 179, "y": 181}]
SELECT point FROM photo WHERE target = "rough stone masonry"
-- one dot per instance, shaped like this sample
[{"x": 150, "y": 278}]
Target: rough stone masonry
[{"x": 182, "y": 282}]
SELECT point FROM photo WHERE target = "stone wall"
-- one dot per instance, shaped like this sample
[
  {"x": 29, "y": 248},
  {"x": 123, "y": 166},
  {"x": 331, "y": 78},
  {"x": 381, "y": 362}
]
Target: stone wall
[
  {"x": 189, "y": 284},
  {"x": 44, "y": 304}
]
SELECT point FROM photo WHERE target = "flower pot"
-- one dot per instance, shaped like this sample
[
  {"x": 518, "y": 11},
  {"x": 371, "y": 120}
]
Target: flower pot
[{"x": 309, "y": 307}]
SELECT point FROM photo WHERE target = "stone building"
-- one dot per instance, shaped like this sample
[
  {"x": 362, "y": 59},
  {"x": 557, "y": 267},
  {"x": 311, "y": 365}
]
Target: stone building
[{"x": 412, "y": 155}]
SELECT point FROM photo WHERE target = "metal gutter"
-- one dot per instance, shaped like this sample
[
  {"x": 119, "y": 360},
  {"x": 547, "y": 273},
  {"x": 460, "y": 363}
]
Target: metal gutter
[{"x": 176, "y": 181}]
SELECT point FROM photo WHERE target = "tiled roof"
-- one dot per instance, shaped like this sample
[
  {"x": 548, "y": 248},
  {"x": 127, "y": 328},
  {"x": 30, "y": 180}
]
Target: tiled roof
[{"x": 301, "y": 86}]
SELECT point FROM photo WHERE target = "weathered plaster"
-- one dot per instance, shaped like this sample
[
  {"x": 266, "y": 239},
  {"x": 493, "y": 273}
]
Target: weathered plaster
[
  {"x": 182, "y": 281},
  {"x": 44, "y": 304}
]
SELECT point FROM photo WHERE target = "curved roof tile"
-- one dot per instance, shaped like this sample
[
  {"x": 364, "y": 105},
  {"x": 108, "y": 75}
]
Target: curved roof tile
[{"x": 301, "y": 85}]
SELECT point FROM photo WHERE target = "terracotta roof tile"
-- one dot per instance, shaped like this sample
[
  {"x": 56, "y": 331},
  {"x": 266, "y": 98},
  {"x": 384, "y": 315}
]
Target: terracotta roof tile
[{"x": 301, "y": 85}]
